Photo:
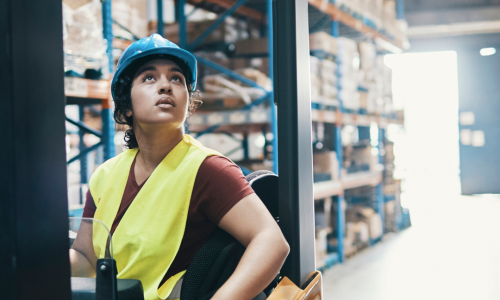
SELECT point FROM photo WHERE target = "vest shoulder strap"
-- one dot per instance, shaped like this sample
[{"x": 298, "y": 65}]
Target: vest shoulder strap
[{"x": 96, "y": 183}]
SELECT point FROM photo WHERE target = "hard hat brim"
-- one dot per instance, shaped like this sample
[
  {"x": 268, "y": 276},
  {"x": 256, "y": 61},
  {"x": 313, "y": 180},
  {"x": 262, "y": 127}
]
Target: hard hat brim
[{"x": 177, "y": 52}]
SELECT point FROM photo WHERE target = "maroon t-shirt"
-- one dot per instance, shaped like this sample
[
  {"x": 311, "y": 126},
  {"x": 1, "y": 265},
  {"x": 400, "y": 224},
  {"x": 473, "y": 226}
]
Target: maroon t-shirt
[{"x": 218, "y": 186}]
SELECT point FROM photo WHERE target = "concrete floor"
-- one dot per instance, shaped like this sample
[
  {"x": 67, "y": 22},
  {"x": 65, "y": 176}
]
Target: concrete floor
[{"x": 452, "y": 251}]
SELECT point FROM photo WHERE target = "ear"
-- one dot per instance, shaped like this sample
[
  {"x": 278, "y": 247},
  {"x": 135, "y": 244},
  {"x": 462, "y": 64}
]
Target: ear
[{"x": 129, "y": 113}]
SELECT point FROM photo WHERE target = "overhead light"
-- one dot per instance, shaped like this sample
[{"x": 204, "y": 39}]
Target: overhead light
[{"x": 488, "y": 51}]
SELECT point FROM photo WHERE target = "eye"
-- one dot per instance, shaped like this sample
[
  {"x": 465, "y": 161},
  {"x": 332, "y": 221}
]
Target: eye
[
  {"x": 177, "y": 78},
  {"x": 148, "y": 78}
]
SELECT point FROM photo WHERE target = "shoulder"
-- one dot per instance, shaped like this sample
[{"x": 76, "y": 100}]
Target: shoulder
[
  {"x": 219, "y": 185},
  {"x": 217, "y": 163}
]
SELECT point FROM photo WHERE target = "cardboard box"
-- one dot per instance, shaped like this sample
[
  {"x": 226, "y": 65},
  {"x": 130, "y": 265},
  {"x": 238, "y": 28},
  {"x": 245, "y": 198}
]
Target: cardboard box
[
  {"x": 323, "y": 41},
  {"x": 226, "y": 32},
  {"x": 133, "y": 15},
  {"x": 251, "y": 46},
  {"x": 256, "y": 76},
  {"x": 75, "y": 4},
  {"x": 368, "y": 216},
  {"x": 321, "y": 243},
  {"x": 326, "y": 162}
]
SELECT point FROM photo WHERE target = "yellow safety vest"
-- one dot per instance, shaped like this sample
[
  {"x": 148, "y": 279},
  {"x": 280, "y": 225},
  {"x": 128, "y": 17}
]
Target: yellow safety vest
[{"x": 150, "y": 233}]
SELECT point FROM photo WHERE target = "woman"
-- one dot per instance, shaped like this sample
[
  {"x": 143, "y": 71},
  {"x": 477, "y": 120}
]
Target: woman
[{"x": 165, "y": 196}]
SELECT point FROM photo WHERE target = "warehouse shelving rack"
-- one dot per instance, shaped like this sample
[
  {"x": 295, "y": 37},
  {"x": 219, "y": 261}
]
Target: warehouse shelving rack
[
  {"x": 82, "y": 92},
  {"x": 251, "y": 118},
  {"x": 244, "y": 120},
  {"x": 325, "y": 190}
]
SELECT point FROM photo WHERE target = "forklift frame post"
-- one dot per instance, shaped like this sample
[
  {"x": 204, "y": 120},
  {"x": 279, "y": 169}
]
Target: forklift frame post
[
  {"x": 34, "y": 256},
  {"x": 293, "y": 97}
]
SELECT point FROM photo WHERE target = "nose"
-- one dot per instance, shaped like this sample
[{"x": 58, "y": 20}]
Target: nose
[{"x": 164, "y": 86}]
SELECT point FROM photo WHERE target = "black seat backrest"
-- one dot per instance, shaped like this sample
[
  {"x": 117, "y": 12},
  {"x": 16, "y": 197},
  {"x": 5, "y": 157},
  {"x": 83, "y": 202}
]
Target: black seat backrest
[{"x": 216, "y": 261}]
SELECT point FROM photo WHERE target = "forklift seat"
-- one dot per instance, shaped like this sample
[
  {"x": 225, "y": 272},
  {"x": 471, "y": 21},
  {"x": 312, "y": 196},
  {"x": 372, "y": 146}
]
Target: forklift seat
[{"x": 216, "y": 261}]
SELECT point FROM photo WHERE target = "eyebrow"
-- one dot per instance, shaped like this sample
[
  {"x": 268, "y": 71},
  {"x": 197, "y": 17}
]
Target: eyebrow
[
  {"x": 150, "y": 68},
  {"x": 153, "y": 68},
  {"x": 175, "y": 69}
]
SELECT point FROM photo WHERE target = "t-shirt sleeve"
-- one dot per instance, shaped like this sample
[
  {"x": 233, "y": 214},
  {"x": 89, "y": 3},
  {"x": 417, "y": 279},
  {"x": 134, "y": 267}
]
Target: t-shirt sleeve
[
  {"x": 219, "y": 185},
  {"x": 89, "y": 208}
]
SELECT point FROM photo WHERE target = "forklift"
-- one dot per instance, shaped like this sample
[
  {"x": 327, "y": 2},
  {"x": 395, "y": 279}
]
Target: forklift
[{"x": 33, "y": 193}]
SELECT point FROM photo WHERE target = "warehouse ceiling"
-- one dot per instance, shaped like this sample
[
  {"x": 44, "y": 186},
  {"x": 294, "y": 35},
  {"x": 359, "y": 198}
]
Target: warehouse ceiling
[
  {"x": 452, "y": 18},
  {"x": 430, "y": 5}
]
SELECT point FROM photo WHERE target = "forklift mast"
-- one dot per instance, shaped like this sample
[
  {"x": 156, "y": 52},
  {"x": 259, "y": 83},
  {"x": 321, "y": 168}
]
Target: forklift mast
[{"x": 293, "y": 98}]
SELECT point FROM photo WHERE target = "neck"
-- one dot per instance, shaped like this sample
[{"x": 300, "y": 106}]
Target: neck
[{"x": 155, "y": 143}]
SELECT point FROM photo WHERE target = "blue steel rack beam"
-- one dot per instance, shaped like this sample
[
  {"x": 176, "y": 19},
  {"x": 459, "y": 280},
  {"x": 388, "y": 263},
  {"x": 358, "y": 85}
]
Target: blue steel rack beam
[
  {"x": 338, "y": 150},
  {"x": 272, "y": 107},
  {"x": 183, "y": 43},
  {"x": 107, "y": 118},
  {"x": 160, "y": 24},
  {"x": 107, "y": 134},
  {"x": 400, "y": 9},
  {"x": 212, "y": 27},
  {"x": 180, "y": 15}
]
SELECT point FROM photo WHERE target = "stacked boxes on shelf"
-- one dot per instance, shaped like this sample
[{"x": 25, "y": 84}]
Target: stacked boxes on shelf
[
  {"x": 348, "y": 56},
  {"x": 84, "y": 45},
  {"x": 325, "y": 166},
  {"x": 352, "y": 73},
  {"x": 377, "y": 14},
  {"x": 223, "y": 93},
  {"x": 391, "y": 190},
  {"x": 392, "y": 27},
  {"x": 363, "y": 227},
  {"x": 359, "y": 157},
  {"x": 132, "y": 17},
  {"x": 375, "y": 82},
  {"x": 323, "y": 64},
  {"x": 229, "y": 31}
]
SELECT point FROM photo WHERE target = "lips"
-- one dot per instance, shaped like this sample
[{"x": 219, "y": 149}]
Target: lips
[{"x": 165, "y": 102}]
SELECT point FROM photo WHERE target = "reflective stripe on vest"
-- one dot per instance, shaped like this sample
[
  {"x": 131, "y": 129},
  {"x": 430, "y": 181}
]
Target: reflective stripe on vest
[{"x": 149, "y": 235}]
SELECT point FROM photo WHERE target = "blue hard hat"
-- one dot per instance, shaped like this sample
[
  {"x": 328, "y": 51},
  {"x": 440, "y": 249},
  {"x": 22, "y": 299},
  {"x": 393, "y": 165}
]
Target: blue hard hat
[{"x": 155, "y": 44}]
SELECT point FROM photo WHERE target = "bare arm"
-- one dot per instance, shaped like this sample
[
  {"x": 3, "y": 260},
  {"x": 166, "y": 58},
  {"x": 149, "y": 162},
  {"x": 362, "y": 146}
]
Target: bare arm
[
  {"x": 82, "y": 256},
  {"x": 252, "y": 225}
]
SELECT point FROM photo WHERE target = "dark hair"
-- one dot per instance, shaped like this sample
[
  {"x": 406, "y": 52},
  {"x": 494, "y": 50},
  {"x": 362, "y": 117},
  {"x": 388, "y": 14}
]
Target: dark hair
[{"x": 123, "y": 101}]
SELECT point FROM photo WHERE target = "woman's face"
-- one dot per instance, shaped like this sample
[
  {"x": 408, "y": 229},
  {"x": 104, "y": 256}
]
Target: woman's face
[{"x": 159, "y": 94}]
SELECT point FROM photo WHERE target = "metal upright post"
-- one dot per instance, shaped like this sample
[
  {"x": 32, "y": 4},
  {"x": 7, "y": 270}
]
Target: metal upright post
[
  {"x": 33, "y": 181},
  {"x": 338, "y": 150},
  {"x": 400, "y": 9},
  {"x": 159, "y": 23},
  {"x": 245, "y": 146},
  {"x": 106, "y": 114},
  {"x": 84, "y": 167},
  {"x": 292, "y": 86},
  {"x": 180, "y": 14},
  {"x": 272, "y": 106},
  {"x": 380, "y": 196},
  {"x": 340, "y": 198}
]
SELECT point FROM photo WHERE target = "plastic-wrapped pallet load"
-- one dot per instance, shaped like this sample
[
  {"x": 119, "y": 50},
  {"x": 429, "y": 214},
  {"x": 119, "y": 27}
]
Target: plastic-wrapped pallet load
[
  {"x": 133, "y": 15},
  {"x": 327, "y": 74},
  {"x": 348, "y": 57},
  {"x": 321, "y": 245},
  {"x": 84, "y": 46},
  {"x": 323, "y": 68},
  {"x": 315, "y": 79},
  {"x": 372, "y": 12},
  {"x": 322, "y": 41},
  {"x": 368, "y": 216},
  {"x": 227, "y": 32},
  {"x": 325, "y": 166}
]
